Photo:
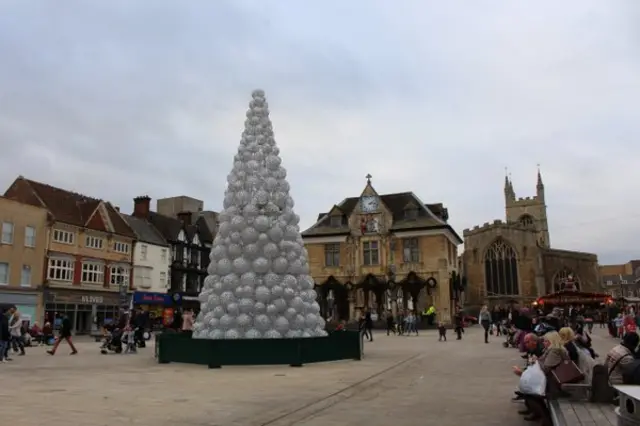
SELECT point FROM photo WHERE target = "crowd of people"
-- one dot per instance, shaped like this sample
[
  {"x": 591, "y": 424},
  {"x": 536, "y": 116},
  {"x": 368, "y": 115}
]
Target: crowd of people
[{"x": 557, "y": 352}]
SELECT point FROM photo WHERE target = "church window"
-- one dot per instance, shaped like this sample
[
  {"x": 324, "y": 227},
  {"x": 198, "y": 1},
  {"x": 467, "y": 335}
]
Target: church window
[
  {"x": 526, "y": 220},
  {"x": 501, "y": 269},
  {"x": 561, "y": 278}
]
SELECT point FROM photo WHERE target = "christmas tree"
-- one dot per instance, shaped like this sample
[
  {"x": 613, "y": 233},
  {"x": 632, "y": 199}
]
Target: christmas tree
[{"x": 259, "y": 284}]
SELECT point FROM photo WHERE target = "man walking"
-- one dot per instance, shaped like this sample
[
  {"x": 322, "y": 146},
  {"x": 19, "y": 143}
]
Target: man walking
[
  {"x": 65, "y": 334},
  {"x": 15, "y": 329}
]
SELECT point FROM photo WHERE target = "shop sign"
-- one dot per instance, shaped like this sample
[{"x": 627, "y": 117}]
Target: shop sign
[
  {"x": 143, "y": 298},
  {"x": 92, "y": 300}
]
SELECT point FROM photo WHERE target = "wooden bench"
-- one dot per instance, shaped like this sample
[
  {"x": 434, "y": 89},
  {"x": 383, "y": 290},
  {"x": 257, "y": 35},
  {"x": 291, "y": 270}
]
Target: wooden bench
[{"x": 567, "y": 412}]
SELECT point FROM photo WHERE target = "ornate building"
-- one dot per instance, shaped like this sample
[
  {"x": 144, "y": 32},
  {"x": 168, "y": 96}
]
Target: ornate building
[
  {"x": 384, "y": 252},
  {"x": 513, "y": 260}
]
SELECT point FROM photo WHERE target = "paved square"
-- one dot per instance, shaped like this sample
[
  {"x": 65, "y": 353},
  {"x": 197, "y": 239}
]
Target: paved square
[{"x": 402, "y": 381}]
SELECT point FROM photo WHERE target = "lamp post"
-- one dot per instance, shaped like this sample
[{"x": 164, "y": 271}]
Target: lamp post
[{"x": 392, "y": 290}]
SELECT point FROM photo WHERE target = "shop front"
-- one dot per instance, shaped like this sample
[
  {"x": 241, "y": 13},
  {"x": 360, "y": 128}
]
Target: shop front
[
  {"x": 25, "y": 302},
  {"x": 87, "y": 310}
]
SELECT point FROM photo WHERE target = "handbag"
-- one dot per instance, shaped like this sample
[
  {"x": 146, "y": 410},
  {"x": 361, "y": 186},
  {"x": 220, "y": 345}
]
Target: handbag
[{"x": 567, "y": 372}]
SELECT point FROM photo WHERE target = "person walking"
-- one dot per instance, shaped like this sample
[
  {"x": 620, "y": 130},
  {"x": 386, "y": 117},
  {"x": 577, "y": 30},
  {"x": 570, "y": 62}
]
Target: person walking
[
  {"x": 368, "y": 324},
  {"x": 15, "y": 329},
  {"x": 459, "y": 323},
  {"x": 65, "y": 334},
  {"x": 391, "y": 326},
  {"x": 485, "y": 320}
]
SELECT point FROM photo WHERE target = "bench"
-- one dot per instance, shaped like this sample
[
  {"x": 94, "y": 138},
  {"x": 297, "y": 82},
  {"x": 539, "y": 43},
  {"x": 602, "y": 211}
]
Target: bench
[{"x": 567, "y": 412}]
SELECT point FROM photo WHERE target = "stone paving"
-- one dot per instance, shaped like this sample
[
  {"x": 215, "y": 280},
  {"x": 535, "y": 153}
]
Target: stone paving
[{"x": 401, "y": 381}]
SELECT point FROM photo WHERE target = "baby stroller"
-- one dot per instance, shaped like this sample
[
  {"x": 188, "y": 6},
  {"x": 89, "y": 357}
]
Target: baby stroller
[
  {"x": 112, "y": 342},
  {"x": 129, "y": 341}
]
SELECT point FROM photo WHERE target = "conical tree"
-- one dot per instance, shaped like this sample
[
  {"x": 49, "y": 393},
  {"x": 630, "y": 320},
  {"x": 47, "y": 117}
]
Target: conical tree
[{"x": 259, "y": 284}]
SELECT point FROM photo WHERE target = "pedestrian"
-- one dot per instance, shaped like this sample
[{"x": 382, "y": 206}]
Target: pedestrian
[
  {"x": 15, "y": 329},
  {"x": 65, "y": 334},
  {"x": 391, "y": 327},
  {"x": 459, "y": 323},
  {"x": 5, "y": 336},
  {"x": 368, "y": 324},
  {"x": 485, "y": 320},
  {"x": 442, "y": 332}
]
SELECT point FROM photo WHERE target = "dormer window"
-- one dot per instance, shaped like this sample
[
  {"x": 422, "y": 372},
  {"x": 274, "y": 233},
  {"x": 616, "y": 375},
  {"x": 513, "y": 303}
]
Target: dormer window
[
  {"x": 335, "y": 221},
  {"x": 181, "y": 237},
  {"x": 196, "y": 240},
  {"x": 411, "y": 213}
]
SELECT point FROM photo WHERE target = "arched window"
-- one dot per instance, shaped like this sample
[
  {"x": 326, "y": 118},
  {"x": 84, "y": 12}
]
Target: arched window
[
  {"x": 527, "y": 221},
  {"x": 561, "y": 278},
  {"x": 501, "y": 269}
]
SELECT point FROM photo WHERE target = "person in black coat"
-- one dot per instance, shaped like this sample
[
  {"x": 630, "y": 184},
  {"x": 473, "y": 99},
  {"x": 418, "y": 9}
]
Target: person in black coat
[
  {"x": 65, "y": 334},
  {"x": 5, "y": 336}
]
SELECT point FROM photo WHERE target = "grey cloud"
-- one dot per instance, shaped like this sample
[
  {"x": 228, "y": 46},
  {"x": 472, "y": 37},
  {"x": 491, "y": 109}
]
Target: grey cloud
[{"x": 434, "y": 98}]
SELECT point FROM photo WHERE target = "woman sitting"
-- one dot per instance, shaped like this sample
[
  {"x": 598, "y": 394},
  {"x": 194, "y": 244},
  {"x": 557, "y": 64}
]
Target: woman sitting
[
  {"x": 555, "y": 352},
  {"x": 620, "y": 357}
]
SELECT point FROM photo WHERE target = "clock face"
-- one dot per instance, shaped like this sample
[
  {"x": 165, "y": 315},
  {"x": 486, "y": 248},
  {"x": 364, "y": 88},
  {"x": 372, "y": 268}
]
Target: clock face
[{"x": 369, "y": 203}]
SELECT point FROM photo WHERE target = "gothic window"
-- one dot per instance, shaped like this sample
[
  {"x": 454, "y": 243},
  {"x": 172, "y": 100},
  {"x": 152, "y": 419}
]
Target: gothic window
[
  {"x": 501, "y": 269},
  {"x": 527, "y": 221},
  {"x": 561, "y": 278}
]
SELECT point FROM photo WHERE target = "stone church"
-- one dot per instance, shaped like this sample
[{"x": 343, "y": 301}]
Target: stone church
[{"x": 513, "y": 261}]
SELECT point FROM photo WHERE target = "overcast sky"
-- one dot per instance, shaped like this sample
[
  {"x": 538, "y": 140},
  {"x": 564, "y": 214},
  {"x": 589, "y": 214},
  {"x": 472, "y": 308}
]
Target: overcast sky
[{"x": 116, "y": 99}]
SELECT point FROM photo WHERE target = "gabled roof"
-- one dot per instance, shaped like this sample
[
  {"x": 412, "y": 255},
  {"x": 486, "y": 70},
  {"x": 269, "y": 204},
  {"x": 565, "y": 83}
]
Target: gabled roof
[
  {"x": 170, "y": 227},
  {"x": 66, "y": 206},
  {"x": 145, "y": 231},
  {"x": 395, "y": 203}
]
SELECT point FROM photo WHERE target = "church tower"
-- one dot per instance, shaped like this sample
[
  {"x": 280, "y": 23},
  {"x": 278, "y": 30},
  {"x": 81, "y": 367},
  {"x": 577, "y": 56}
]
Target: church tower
[{"x": 530, "y": 212}]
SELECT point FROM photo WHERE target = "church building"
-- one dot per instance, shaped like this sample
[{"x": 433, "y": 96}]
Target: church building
[
  {"x": 513, "y": 261},
  {"x": 384, "y": 252}
]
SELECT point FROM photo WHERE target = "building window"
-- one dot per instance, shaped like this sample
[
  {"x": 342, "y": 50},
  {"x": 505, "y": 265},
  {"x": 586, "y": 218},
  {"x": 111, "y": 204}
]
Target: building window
[
  {"x": 411, "y": 213},
  {"x": 501, "y": 269},
  {"x": 61, "y": 269},
  {"x": 29, "y": 236},
  {"x": 410, "y": 250},
  {"x": 332, "y": 255},
  {"x": 609, "y": 282},
  {"x": 163, "y": 280},
  {"x": 7, "y": 233},
  {"x": 25, "y": 277},
  {"x": 624, "y": 282},
  {"x": 4, "y": 273},
  {"x": 119, "y": 276},
  {"x": 143, "y": 252},
  {"x": 526, "y": 220},
  {"x": 371, "y": 255},
  {"x": 163, "y": 255},
  {"x": 93, "y": 273},
  {"x": 335, "y": 221},
  {"x": 93, "y": 242},
  {"x": 64, "y": 237},
  {"x": 121, "y": 247},
  {"x": 630, "y": 293}
]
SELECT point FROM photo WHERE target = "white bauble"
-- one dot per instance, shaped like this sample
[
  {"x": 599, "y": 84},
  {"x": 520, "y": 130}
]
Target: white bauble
[
  {"x": 271, "y": 184},
  {"x": 241, "y": 265},
  {"x": 311, "y": 320},
  {"x": 227, "y": 297},
  {"x": 233, "y": 309},
  {"x": 248, "y": 279},
  {"x": 234, "y": 251},
  {"x": 272, "y": 334},
  {"x": 224, "y": 229},
  {"x": 279, "y": 265},
  {"x": 232, "y": 334},
  {"x": 289, "y": 281},
  {"x": 259, "y": 308},
  {"x": 238, "y": 223},
  {"x": 218, "y": 252},
  {"x": 270, "y": 250},
  {"x": 261, "y": 198},
  {"x": 289, "y": 294},
  {"x": 307, "y": 334},
  {"x": 213, "y": 323},
  {"x": 224, "y": 267},
  {"x": 312, "y": 295},
  {"x": 273, "y": 162},
  {"x": 212, "y": 268},
  {"x": 261, "y": 265},
  {"x": 245, "y": 306},
  {"x": 271, "y": 210},
  {"x": 199, "y": 334},
  {"x": 271, "y": 279},
  {"x": 280, "y": 304},
  {"x": 261, "y": 223},
  {"x": 297, "y": 303},
  {"x": 235, "y": 237},
  {"x": 204, "y": 296},
  {"x": 213, "y": 300},
  {"x": 321, "y": 322},
  {"x": 218, "y": 312},
  {"x": 293, "y": 334},
  {"x": 227, "y": 322},
  {"x": 319, "y": 332},
  {"x": 315, "y": 308},
  {"x": 272, "y": 310},
  {"x": 249, "y": 235},
  {"x": 250, "y": 211},
  {"x": 263, "y": 294},
  {"x": 281, "y": 324},
  {"x": 305, "y": 296},
  {"x": 230, "y": 281},
  {"x": 251, "y": 251},
  {"x": 252, "y": 333},
  {"x": 276, "y": 234},
  {"x": 295, "y": 267},
  {"x": 298, "y": 322},
  {"x": 243, "y": 321},
  {"x": 217, "y": 287},
  {"x": 277, "y": 291},
  {"x": 291, "y": 233},
  {"x": 262, "y": 323},
  {"x": 290, "y": 314},
  {"x": 215, "y": 334},
  {"x": 305, "y": 282}
]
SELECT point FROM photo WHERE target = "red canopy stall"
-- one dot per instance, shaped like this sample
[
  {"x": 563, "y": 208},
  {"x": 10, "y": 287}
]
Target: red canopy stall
[{"x": 570, "y": 295}]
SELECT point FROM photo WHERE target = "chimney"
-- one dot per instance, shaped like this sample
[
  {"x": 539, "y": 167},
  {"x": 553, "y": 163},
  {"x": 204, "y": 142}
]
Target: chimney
[
  {"x": 117, "y": 208},
  {"x": 185, "y": 217},
  {"x": 141, "y": 206}
]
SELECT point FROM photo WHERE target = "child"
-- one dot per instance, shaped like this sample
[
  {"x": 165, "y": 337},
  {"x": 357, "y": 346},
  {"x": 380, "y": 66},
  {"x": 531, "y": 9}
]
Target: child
[{"x": 442, "y": 332}]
